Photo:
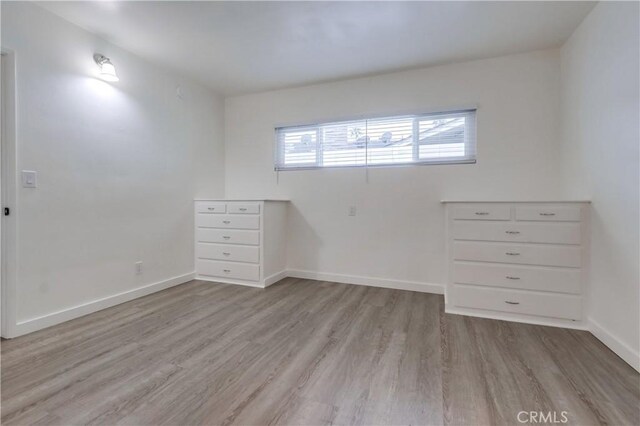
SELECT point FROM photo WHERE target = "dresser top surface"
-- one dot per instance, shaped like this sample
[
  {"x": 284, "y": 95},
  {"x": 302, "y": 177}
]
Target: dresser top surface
[
  {"x": 516, "y": 201},
  {"x": 241, "y": 199}
]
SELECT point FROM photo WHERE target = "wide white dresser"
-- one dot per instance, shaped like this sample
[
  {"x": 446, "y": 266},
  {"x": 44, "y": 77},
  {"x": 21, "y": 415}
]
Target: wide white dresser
[
  {"x": 241, "y": 241},
  {"x": 518, "y": 261}
]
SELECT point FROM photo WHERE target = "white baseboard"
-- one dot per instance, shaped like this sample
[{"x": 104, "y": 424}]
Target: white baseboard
[
  {"x": 620, "y": 348},
  {"x": 610, "y": 340},
  {"x": 529, "y": 319},
  {"x": 48, "y": 320},
  {"x": 258, "y": 284},
  {"x": 275, "y": 278},
  {"x": 223, "y": 280},
  {"x": 370, "y": 281}
]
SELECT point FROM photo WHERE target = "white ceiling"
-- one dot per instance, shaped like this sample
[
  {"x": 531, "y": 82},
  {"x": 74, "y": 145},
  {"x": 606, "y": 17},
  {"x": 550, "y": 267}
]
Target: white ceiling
[{"x": 240, "y": 47}]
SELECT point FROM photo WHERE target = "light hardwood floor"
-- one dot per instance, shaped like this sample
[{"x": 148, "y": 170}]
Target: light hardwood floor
[{"x": 307, "y": 352}]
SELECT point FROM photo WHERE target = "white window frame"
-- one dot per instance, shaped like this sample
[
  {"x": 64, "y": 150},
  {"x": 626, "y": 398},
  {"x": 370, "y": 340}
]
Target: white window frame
[{"x": 469, "y": 157}]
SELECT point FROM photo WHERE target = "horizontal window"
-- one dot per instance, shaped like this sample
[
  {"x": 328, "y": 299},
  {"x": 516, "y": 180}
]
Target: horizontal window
[{"x": 437, "y": 138}]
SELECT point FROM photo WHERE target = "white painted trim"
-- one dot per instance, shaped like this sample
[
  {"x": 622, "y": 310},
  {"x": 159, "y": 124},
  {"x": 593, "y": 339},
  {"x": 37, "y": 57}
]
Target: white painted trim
[
  {"x": 223, "y": 280},
  {"x": 620, "y": 348},
  {"x": 607, "y": 338},
  {"x": 369, "y": 281},
  {"x": 8, "y": 181},
  {"x": 520, "y": 318},
  {"x": 516, "y": 201},
  {"x": 54, "y": 318},
  {"x": 266, "y": 200},
  {"x": 275, "y": 278},
  {"x": 337, "y": 278}
]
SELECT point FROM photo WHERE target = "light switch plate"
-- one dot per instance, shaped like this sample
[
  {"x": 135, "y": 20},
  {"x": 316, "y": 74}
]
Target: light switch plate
[{"x": 29, "y": 179}]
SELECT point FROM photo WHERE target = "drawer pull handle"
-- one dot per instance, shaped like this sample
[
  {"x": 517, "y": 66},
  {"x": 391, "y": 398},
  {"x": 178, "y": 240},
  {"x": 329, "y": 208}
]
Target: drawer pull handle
[
  {"x": 512, "y": 278},
  {"x": 227, "y": 270},
  {"x": 482, "y": 213},
  {"x": 512, "y": 232},
  {"x": 510, "y": 253},
  {"x": 226, "y": 237},
  {"x": 211, "y": 208},
  {"x": 226, "y": 254},
  {"x": 511, "y": 303},
  {"x": 547, "y": 214},
  {"x": 242, "y": 209},
  {"x": 226, "y": 221}
]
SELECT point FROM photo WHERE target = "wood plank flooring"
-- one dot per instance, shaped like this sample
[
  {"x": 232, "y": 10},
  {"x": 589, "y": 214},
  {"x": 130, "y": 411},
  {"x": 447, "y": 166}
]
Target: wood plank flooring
[{"x": 307, "y": 353}]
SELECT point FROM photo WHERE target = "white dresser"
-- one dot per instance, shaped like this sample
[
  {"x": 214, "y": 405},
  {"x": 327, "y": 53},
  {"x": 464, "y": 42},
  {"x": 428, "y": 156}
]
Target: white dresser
[
  {"x": 241, "y": 241},
  {"x": 519, "y": 261}
]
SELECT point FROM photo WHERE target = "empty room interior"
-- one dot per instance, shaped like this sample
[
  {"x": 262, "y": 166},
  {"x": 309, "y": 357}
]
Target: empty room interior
[{"x": 314, "y": 213}]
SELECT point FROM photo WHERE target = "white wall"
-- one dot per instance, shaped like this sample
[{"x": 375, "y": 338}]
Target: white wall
[
  {"x": 600, "y": 69},
  {"x": 398, "y": 232},
  {"x": 118, "y": 165}
]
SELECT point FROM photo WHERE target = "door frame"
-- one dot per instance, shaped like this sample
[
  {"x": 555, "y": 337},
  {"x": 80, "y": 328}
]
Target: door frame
[{"x": 8, "y": 193}]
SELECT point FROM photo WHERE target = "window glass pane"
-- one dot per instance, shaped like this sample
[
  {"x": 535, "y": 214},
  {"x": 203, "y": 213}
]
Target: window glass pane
[
  {"x": 428, "y": 138},
  {"x": 344, "y": 144},
  {"x": 390, "y": 140},
  {"x": 441, "y": 136},
  {"x": 300, "y": 147}
]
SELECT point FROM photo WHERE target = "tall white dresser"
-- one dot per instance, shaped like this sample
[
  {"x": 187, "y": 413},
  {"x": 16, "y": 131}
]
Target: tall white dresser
[
  {"x": 518, "y": 261},
  {"x": 241, "y": 241}
]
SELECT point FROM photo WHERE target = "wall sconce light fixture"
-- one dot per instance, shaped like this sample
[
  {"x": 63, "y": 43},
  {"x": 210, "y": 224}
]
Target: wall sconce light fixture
[{"x": 107, "y": 70}]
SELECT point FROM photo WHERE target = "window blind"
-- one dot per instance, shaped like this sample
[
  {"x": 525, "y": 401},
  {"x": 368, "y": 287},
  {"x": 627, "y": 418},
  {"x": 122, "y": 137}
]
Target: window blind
[{"x": 435, "y": 138}]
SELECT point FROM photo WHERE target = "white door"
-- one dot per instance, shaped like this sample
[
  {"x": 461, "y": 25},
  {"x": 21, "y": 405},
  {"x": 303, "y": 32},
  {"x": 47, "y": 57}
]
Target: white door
[
  {"x": 1, "y": 192},
  {"x": 8, "y": 228}
]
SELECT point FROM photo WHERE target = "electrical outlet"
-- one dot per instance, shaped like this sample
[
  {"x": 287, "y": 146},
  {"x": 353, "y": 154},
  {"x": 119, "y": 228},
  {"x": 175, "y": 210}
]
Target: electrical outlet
[
  {"x": 352, "y": 210},
  {"x": 139, "y": 268}
]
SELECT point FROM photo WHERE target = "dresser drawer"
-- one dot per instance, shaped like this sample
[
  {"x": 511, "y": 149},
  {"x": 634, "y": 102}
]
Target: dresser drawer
[
  {"x": 228, "y": 252},
  {"x": 482, "y": 212},
  {"x": 244, "y": 208},
  {"x": 553, "y": 233},
  {"x": 549, "y": 213},
  {"x": 231, "y": 236},
  {"x": 562, "y": 280},
  {"x": 210, "y": 207},
  {"x": 227, "y": 221},
  {"x": 517, "y": 253},
  {"x": 521, "y": 302},
  {"x": 240, "y": 271}
]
